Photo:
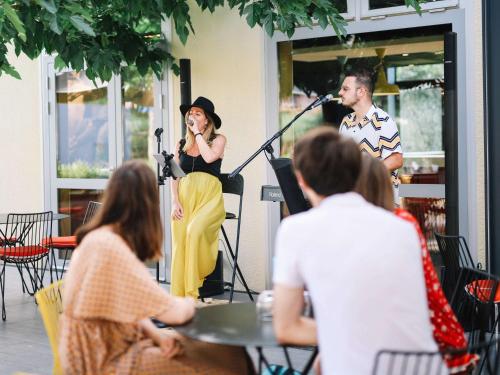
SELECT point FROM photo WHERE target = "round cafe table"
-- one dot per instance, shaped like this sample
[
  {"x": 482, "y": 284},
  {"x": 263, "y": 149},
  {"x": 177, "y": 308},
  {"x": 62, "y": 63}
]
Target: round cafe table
[{"x": 236, "y": 324}]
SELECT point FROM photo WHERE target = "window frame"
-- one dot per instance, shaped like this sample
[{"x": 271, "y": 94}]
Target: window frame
[{"x": 456, "y": 18}]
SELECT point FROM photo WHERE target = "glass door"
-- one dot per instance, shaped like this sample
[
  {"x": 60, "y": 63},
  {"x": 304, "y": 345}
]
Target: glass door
[
  {"x": 413, "y": 62},
  {"x": 83, "y": 155},
  {"x": 95, "y": 127}
]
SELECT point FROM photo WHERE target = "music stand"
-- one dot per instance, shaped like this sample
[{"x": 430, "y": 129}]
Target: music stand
[
  {"x": 294, "y": 198},
  {"x": 169, "y": 167}
]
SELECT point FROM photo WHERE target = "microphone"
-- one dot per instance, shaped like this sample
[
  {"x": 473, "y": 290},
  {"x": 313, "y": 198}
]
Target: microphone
[
  {"x": 158, "y": 131},
  {"x": 322, "y": 100}
]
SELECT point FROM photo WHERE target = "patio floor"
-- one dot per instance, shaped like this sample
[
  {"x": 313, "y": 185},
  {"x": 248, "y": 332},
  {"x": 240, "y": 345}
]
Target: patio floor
[{"x": 24, "y": 345}]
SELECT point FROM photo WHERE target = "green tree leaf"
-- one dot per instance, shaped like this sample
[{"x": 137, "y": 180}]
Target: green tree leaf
[
  {"x": 10, "y": 70},
  {"x": 81, "y": 25},
  {"x": 15, "y": 21},
  {"x": 49, "y": 5},
  {"x": 54, "y": 26}
]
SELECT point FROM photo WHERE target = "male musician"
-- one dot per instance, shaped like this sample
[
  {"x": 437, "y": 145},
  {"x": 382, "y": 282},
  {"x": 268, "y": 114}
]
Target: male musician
[
  {"x": 373, "y": 129},
  {"x": 362, "y": 266}
]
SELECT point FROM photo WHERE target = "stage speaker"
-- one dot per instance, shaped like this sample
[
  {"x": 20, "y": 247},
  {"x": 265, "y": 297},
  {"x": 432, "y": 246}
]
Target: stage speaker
[
  {"x": 450, "y": 134},
  {"x": 185, "y": 83},
  {"x": 290, "y": 188},
  {"x": 214, "y": 283}
]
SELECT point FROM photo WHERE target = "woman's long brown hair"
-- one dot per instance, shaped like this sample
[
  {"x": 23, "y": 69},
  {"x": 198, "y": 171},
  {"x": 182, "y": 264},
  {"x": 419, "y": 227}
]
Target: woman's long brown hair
[
  {"x": 374, "y": 183},
  {"x": 131, "y": 206}
]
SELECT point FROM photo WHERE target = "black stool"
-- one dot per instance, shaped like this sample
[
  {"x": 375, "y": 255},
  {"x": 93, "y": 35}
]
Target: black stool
[{"x": 215, "y": 281}]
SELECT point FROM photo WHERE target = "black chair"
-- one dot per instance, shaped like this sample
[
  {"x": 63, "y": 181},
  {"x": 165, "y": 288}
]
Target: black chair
[
  {"x": 475, "y": 302},
  {"x": 23, "y": 246},
  {"x": 455, "y": 255},
  {"x": 235, "y": 186},
  {"x": 399, "y": 362}
]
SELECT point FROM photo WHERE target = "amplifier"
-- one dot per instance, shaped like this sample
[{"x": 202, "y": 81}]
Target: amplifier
[{"x": 271, "y": 193}]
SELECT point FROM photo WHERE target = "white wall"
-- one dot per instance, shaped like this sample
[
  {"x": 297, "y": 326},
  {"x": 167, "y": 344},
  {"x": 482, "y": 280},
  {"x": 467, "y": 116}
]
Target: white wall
[
  {"x": 475, "y": 128},
  {"x": 21, "y": 173},
  {"x": 227, "y": 67}
]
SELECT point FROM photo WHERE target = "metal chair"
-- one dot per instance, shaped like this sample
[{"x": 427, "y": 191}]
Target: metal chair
[
  {"x": 399, "y": 362},
  {"x": 475, "y": 302},
  {"x": 27, "y": 252},
  {"x": 50, "y": 305},
  {"x": 455, "y": 255},
  {"x": 68, "y": 243},
  {"x": 235, "y": 186}
]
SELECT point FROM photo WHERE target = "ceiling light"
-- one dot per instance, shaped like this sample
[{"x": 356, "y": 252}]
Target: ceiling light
[{"x": 382, "y": 87}]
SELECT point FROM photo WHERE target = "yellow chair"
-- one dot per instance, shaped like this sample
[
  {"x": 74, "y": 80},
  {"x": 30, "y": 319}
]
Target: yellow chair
[{"x": 50, "y": 305}]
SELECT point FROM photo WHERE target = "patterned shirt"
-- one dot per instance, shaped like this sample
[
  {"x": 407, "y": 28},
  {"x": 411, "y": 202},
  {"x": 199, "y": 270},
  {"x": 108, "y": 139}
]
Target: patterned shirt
[{"x": 377, "y": 135}]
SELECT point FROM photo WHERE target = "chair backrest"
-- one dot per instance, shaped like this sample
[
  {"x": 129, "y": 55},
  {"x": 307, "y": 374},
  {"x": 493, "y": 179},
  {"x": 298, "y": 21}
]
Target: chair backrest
[
  {"x": 92, "y": 208},
  {"x": 483, "y": 359},
  {"x": 24, "y": 236},
  {"x": 50, "y": 305},
  {"x": 455, "y": 255},
  {"x": 473, "y": 302},
  {"x": 233, "y": 185},
  {"x": 399, "y": 362}
]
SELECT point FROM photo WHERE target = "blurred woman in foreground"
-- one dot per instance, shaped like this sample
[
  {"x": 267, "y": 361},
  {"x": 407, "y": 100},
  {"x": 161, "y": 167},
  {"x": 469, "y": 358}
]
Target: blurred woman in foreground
[{"x": 110, "y": 296}]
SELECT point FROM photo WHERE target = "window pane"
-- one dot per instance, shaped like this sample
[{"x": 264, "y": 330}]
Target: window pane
[
  {"x": 413, "y": 60},
  {"x": 82, "y": 127},
  {"x": 380, "y": 4},
  {"x": 137, "y": 114},
  {"x": 74, "y": 203},
  {"x": 341, "y": 5}
]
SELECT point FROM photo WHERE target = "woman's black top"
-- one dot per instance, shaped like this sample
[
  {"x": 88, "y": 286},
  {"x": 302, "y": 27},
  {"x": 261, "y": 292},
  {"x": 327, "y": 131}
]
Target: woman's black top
[{"x": 197, "y": 164}]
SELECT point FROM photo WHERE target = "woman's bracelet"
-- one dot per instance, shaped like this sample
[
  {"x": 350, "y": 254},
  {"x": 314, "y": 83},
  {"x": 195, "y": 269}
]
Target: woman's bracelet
[{"x": 198, "y": 134}]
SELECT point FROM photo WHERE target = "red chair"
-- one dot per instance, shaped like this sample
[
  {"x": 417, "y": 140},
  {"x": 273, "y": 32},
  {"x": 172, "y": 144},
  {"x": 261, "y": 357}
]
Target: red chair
[
  {"x": 68, "y": 243},
  {"x": 28, "y": 252}
]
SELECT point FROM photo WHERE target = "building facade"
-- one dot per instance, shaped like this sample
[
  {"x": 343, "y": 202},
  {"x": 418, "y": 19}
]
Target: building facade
[{"x": 63, "y": 136}]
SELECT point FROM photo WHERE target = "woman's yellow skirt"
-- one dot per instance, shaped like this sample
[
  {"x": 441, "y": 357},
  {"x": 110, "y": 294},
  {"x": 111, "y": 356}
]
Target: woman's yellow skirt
[{"x": 195, "y": 237}]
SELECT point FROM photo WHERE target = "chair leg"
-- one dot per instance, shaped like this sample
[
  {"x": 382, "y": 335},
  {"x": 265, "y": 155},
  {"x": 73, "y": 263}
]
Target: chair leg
[
  {"x": 26, "y": 289},
  {"x": 64, "y": 262},
  {"x": 236, "y": 268},
  {"x": 2, "y": 289}
]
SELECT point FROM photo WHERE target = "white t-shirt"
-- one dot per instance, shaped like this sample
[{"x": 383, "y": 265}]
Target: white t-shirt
[{"x": 363, "y": 268}]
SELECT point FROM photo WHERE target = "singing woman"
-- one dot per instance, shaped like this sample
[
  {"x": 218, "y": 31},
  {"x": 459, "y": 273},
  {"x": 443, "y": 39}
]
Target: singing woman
[{"x": 197, "y": 203}]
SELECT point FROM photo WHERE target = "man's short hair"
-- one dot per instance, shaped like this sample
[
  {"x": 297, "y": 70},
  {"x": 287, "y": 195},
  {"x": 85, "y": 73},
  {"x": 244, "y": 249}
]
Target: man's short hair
[
  {"x": 328, "y": 162},
  {"x": 364, "y": 77}
]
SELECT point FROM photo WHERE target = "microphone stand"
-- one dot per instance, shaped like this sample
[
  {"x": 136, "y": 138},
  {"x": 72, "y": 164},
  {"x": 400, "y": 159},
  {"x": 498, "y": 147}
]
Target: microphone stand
[
  {"x": 158, "y": 131},
  {"x": 161, "y": 182},
  {"x": 267, "y": 144}
]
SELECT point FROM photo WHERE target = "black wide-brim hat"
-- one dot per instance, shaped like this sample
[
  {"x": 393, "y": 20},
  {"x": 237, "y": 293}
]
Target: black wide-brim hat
[{"x": 206, "y": 105}]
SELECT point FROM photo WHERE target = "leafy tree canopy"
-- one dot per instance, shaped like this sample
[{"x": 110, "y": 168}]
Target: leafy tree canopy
[{"x": 100, "y": 35}]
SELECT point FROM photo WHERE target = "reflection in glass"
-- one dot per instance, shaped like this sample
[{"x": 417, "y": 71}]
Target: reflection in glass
[
  {"x": 430, "y": 214},
  {"x": 82, "y": 127},
  {"x": 380, "y": 4},
  {"x": 137, "y": 114},
  {"x": 74, "y": 203}
]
